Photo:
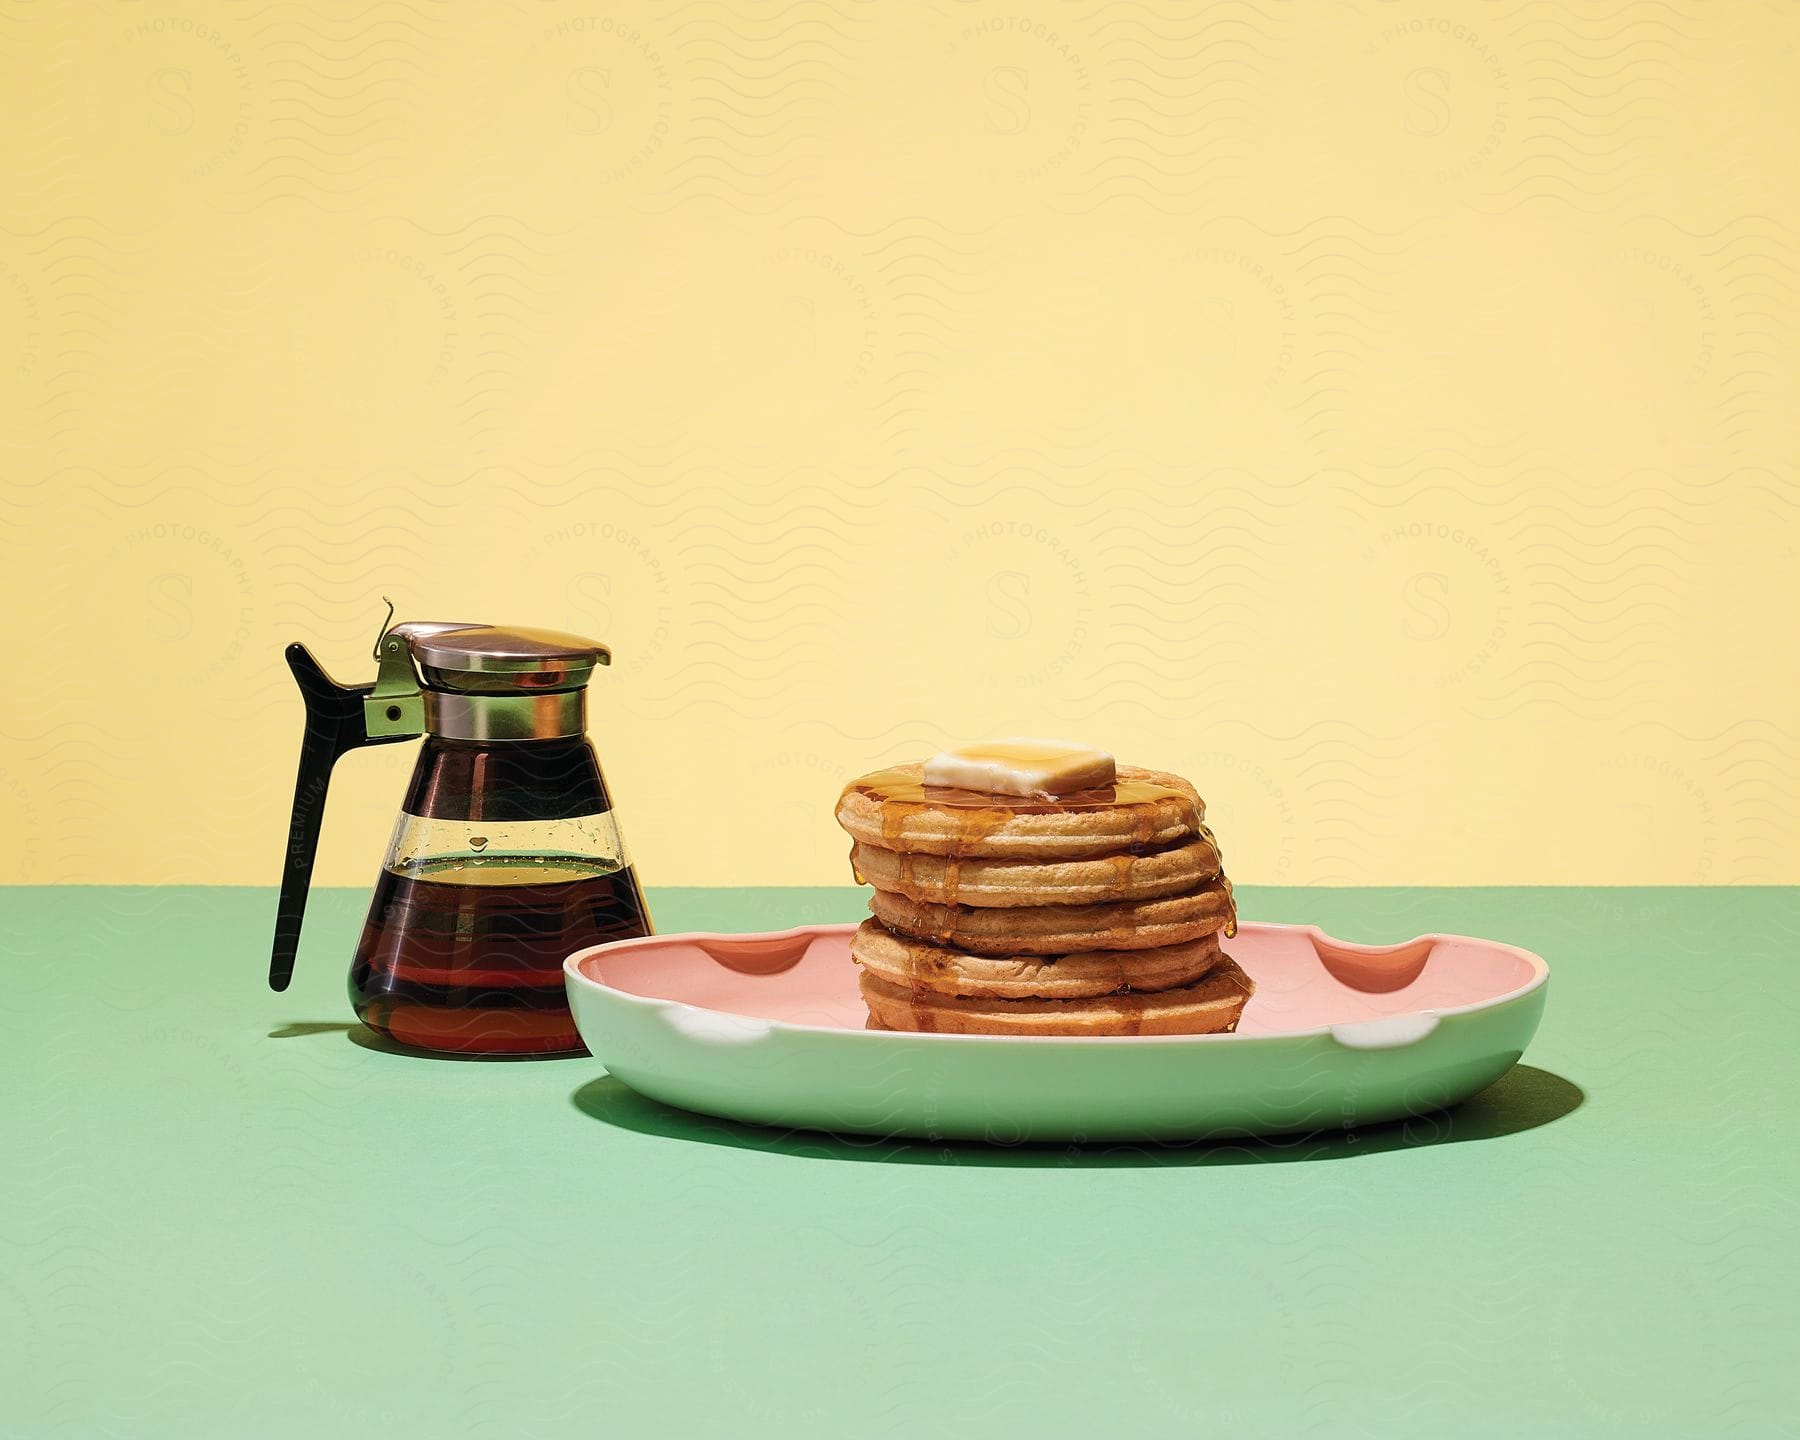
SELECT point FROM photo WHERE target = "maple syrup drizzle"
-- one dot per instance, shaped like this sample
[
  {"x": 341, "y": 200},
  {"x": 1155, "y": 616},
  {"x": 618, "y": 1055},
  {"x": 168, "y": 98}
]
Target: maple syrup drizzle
[
  {"x": 1224, "y": 883},
  {"x": 901, "y": 795},
  {"x": 898, "y": 787}
]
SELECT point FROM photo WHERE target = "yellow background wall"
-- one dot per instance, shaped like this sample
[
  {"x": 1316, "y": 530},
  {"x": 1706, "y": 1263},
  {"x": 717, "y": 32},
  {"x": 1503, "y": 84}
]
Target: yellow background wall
[{"x": 1381, "y": 413}]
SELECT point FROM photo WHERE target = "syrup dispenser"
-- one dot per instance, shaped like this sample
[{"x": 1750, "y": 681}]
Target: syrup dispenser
[{"x": 506, "y": 855}]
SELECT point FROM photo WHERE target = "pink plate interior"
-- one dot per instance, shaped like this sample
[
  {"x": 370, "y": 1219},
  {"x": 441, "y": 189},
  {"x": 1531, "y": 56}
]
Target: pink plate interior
[{"x": 1305, "y": 980}]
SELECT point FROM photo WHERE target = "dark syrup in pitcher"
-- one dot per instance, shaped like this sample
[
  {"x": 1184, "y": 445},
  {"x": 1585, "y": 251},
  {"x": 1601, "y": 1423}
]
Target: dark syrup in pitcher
[{"x": 465, "y": 953}]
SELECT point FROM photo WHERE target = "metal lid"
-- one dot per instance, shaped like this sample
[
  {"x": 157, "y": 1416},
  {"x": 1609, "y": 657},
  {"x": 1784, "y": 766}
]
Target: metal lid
[{"x": 502, "y": 659}]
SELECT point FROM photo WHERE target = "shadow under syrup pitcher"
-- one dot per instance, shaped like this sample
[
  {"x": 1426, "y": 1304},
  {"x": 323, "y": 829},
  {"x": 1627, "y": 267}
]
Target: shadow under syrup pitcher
[{"x": 361, "y": 1035}]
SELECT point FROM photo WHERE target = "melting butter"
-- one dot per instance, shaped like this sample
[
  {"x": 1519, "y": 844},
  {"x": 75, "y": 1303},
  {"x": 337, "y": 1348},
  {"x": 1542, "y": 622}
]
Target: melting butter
[{"x": 1042, "y": 768}]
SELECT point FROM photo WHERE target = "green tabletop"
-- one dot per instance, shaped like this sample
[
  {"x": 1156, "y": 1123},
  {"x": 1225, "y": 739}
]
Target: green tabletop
[{"x": 224, "y": 1212}]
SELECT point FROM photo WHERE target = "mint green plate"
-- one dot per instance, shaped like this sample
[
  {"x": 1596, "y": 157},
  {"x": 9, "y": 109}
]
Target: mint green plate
[{"x": 769, "y": 1028}]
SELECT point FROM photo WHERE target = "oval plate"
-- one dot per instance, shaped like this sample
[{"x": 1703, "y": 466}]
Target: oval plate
[{"x": 768, "y": 1028}]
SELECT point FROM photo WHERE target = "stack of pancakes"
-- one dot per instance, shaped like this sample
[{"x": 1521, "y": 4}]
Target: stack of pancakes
[{"x": 1096, "y": 913}]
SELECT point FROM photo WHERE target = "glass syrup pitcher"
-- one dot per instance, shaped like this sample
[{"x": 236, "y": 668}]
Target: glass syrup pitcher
[{"x": 506, "y": 855}]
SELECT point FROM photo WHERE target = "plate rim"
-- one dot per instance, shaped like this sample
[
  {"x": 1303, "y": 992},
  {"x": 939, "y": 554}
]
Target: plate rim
[{"x": 574, "y": 976}]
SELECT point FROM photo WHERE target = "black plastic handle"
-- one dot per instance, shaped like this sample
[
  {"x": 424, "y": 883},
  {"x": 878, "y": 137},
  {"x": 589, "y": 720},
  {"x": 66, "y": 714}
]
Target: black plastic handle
[{"x": 334, "y": 726}]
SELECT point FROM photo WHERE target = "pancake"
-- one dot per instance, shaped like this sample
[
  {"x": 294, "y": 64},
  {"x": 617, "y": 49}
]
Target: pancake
[
  {"x": 949, "y": 880},
  {"x": 894, "y": 810},
  {"x": 914, "y": 964},
  {"x": 1211, "y": 1006},
  {"x": 1062, "y": 929}
]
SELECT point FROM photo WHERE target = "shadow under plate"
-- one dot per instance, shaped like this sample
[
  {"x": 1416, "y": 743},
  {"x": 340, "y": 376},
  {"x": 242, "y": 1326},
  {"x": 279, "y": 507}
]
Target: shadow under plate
[{"x": 1522, "y": 1099}]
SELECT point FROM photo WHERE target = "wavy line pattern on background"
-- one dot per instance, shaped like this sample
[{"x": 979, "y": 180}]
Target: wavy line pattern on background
[
  {"x": 496, "y": 296},
  {"x": 1345, "y": 409},
  {"x": 61, "y": 287},
  {"x": 1740, "y": 782},
  {"x": 1592, "y": 576},
  {"x": 1176, "y": 109},
  {"x": 921, "y": 267},
  {"x": 336, "y": 85},
  {"x": 1599, "y": 99},
  {"x": 760, "y": 89},
  {"x": 1341, "y": 270}
]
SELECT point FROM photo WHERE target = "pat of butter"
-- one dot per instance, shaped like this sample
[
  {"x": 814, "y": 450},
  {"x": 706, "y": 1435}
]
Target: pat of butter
[{"x": 1022, "y": 767}]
